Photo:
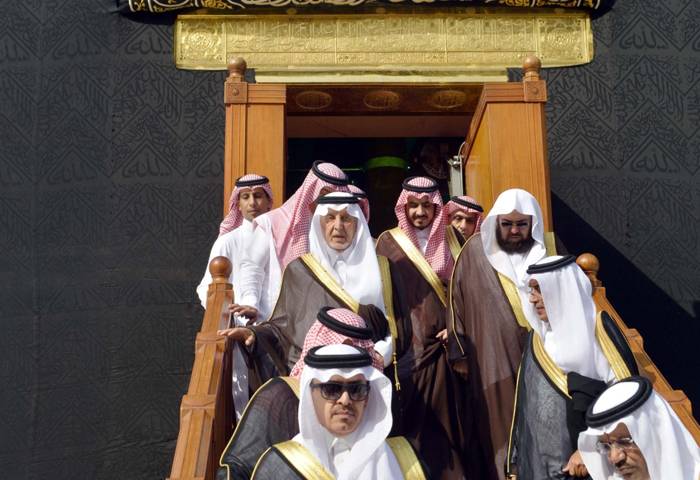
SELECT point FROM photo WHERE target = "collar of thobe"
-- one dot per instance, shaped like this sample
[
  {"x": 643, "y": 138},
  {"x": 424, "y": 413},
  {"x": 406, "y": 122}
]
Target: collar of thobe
[{"x": 423, "y": 236}]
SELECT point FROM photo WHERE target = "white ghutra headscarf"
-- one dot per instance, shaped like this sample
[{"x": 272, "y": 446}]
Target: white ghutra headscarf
[
  {"x": 569, "y": 335},
  {"x": 356, "y": 269},
  {"x": 668, "y": 448},
  {"x": 514, "y": 266},
  {"x": 370, "y": 457}
]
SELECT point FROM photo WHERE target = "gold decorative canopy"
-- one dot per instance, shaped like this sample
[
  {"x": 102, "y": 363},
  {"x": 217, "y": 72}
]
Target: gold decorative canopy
[{"x": 438, "y": 45}]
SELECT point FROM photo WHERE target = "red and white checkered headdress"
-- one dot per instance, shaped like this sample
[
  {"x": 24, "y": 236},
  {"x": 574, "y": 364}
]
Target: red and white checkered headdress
[
  {"x": 291, "y": 222},
  {"x": 437, "y": 252},
  {"x": 234, "y": 218},
  {"x": 323, "y": 332},
  {"x": 466, "y": 204}
]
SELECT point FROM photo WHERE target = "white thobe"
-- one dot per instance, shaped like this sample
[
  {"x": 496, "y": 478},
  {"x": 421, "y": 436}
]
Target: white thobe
[{"x": 423, "y": 236}]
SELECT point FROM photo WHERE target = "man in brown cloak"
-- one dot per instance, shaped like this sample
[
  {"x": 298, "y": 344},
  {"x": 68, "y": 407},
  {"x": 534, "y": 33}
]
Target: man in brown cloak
[
  {"x": 487, "y": 325},
  {"x": 431, "y": 399},
  {"x": 341, "y": 270}
]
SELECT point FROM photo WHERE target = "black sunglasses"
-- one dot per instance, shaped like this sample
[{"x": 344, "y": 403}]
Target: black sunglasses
[{"x": 357, "y": 391}]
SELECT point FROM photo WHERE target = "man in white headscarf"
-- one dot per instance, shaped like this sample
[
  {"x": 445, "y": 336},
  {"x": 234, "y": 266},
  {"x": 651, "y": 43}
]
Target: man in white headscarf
[
  {"x": 344, "y": 421},
  {"x": 487, "y": 326},
  {"x": 634, "y": 434},
  {"x": 271, "y": 415},
  {"x": 571, "y": 354},
  {"x": 341, "y": 270}
]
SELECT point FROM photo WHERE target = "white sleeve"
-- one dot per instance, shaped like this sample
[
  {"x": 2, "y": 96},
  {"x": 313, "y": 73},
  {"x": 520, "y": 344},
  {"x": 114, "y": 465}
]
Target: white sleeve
[
  {"x": 218, "y": 249},
  {"x": 386, "y": 349},
  {"x": 254, "y": 260}
]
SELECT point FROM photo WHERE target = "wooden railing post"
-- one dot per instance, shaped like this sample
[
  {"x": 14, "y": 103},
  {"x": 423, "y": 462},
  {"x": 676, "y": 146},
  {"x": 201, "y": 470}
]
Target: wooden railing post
[
  {"x": 676, "y": 398},
  {"x": 206, "y": 409},
  {"x": 255, "y": 130},
  {"x": 506, "y": 146}
]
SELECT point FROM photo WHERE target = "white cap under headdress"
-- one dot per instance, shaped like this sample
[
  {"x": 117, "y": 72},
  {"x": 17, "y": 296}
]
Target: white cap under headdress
[
  {"x": 359, "y": 274},
  {"x": 668, "y": 448},
  {"x": 514, "y": 266},
  {"x": 569, "y": 335},
  {"x": 369, "y": 457}
]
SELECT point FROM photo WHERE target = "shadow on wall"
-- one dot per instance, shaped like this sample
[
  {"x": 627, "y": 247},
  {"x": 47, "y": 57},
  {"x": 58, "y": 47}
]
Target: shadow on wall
[{"x": 670, "y": 333}]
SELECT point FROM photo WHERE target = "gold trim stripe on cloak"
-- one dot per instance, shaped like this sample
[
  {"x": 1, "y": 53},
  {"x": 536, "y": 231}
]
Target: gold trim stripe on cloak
[
  {"x": 420, "y": 263},
  {"x": 408, "y": 462},
  {"x": 618, "y": 365},
  {"x": 550, "y": 368},
  {"x": 329, "y": 282},
  {"x": 513, "y": 297},
  {"x": 293, "y": 383},
  {"x": 303, "y": 460},
  {"x": 452, "y": 242},
  {"x": 557, "y": 375},
  {"x": 388, "y": 296},
  {"x": 438, "y": 44}
]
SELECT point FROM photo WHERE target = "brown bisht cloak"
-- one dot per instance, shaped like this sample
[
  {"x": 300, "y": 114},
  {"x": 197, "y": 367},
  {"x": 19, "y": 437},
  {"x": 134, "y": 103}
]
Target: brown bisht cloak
[
  {"x": 306, "y": 287},
  {"x": 431, "y": 398},
  {"x": 487, "y": 334},
  {"x": 270, "y": 417}
]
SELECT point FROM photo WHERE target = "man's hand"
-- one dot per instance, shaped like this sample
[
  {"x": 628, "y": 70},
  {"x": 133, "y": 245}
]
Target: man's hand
[
  {"x": 442, "y": 335},
  {"x": 250, "y": 313},
  {"x": 575, "y": 466},
  {"x": 379, "y": 358},
  {"x": 240, "y": 334}
]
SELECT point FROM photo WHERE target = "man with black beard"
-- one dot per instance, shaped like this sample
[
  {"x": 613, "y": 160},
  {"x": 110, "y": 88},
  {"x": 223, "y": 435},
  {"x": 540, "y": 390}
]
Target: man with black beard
[{"x": 487, "y": 326}]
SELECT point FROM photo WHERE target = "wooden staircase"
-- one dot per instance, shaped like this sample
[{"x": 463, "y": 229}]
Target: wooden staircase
[{"x": 505, "y": 147}]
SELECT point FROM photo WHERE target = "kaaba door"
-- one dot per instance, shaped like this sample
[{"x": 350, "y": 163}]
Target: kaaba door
[{"x": 276, "y": 130}]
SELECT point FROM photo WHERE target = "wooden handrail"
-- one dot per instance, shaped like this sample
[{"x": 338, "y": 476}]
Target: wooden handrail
[
  {"x": 676, "y": 398},
  {"x": 206, "y": 410}
]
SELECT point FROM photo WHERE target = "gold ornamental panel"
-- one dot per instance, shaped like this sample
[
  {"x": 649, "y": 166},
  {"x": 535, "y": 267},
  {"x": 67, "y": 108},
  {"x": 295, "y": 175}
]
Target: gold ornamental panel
[{"x": 449, "y": 45}]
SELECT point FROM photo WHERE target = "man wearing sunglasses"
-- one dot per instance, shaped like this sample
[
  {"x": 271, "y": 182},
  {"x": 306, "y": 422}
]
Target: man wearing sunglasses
[
  {"x": 634, "y": 434},
  {"x": 488, "y": 328},
  {"x": 344, "y": 420},
  {"x": 271, "y": 414}
]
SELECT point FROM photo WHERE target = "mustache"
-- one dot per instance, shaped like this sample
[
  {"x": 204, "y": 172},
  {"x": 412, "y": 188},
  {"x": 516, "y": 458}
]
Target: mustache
[{"x": 343, "y": 410}]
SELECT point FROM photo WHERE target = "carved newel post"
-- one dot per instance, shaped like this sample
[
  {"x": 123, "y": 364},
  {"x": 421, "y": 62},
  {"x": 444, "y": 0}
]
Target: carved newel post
[
  {"x": 254, "y": 135},
  {"x": 220, "y": 269},
  {"x": 590, "y": 265}
]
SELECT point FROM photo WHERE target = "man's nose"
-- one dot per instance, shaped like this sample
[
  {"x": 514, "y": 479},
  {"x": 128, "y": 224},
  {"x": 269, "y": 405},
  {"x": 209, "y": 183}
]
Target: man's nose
[
  {"x": 616, "y": 455},
  {"x": 514, "y": 229},
  {"x": 344, "y": 399}
]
